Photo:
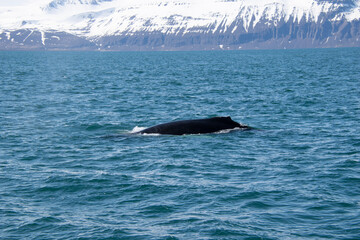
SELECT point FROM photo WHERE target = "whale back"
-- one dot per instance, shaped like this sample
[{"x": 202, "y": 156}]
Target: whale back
[{"x": 197, "y": 126}]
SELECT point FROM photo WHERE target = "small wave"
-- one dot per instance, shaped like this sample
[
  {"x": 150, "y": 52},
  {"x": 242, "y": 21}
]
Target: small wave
[
  {"x": 93, "y": 127},
  {"x": 137, "y": 129},
  {"x": 227, "y": 130},
  {"x": 152, "y": 134}
]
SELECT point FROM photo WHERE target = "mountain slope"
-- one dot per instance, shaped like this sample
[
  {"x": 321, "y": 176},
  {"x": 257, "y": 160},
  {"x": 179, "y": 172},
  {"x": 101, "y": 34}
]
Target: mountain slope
[{"x": 180, "y": 24}]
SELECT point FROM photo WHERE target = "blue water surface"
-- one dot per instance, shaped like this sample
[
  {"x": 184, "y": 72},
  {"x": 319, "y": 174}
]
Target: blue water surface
[{"x": 69, "y": 169}]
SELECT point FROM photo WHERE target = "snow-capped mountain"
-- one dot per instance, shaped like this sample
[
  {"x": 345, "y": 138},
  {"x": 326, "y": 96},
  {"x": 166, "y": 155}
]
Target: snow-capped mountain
[{"x": 179, "y": 24}]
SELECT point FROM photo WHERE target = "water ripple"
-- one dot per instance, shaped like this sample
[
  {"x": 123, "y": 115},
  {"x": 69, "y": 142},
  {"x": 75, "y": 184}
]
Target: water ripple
[{"x": 71, "y": 169}]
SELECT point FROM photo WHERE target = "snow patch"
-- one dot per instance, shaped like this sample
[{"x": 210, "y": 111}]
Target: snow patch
[
  {"x": 43, "y": 38},
  {"x": 354, "y": 13},
  {"x": 28, "y": 35}
]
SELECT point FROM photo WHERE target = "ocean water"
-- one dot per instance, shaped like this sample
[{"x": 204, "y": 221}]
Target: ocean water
[{"x": 70, "y": 169}]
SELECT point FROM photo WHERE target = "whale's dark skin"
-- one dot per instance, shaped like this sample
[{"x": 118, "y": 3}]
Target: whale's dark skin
[{"x": 198, "y": 126}]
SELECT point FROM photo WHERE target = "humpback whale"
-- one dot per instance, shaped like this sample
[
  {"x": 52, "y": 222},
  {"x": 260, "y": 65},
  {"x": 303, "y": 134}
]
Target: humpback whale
[{"x": 197, "y": 126}]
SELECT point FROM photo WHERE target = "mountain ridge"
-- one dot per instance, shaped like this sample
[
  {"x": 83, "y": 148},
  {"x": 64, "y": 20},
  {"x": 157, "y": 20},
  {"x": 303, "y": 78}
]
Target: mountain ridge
[{"x": 180, "y": 24}]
